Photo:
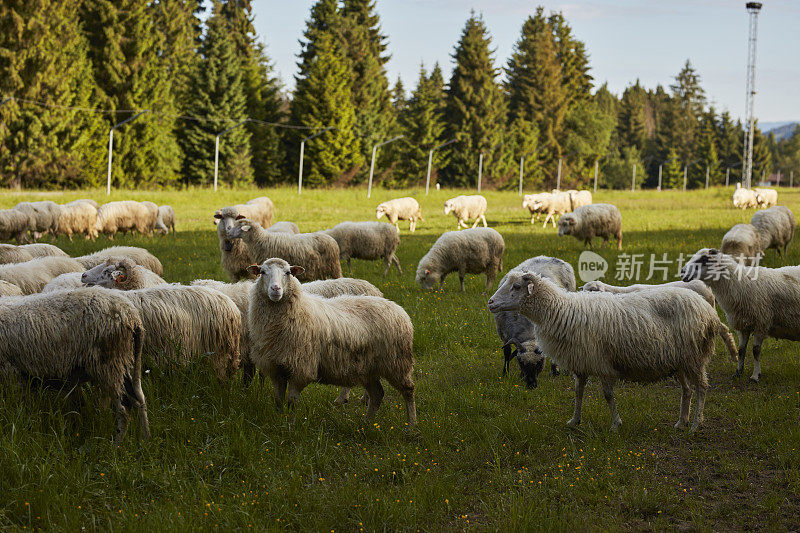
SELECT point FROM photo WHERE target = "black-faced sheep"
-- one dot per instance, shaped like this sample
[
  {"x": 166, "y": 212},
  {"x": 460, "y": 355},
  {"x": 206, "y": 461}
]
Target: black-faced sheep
[
  {"x": 400, "y": 209},
  {"x": 470, "y": 251},
  {"x": 367, "y": 240},
  {"x": 590, "y": 221},
  {"x": 465, "y": 208}
]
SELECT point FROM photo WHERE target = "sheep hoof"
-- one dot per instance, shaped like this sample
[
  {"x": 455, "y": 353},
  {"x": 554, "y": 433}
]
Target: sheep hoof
[
  {"x": 681, "y": 424},
  {"x": 340, "y": 401},
  {"x": 573, "y": 423},
  {"x": 615, "y": 425},
  {"x": 754, "y": 379}
]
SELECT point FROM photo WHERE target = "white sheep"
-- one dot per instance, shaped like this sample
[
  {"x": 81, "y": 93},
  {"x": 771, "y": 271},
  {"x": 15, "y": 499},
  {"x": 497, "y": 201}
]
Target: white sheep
[
  {"x": 553, "y": 204},
  {"x": 528, "y": 202},
  {"x": 235, "y": 257},
  {"x": 298, "y": 338},
  {"x": 743, "y": 242},
  {"x": 9, "y": 289},
  {"x": 590, "y": 221},
  {"x": 695, "y": 285},
  {"x": 152, "y": 216},
  {"x": 140, "y": 256},
  {"x": 759, "y": 301},
  {"x": 31, "y": 276},
  {"x": 579, "y": 199},
  {"x": 165, "y": 220},
  {"x": 125, "y": 216},
  {"x": 465, "y": 208},
  {"x": 284, "y": 226},
  {"x": 121, "y": 273},
  {"x": 744, "y": 198},
  {"x": 766, "y": 197},
  {"x": 16, "y": 224},
  {"x": 10, "y": 253},
  {"x": 642, "y": 336},
  {"x": 367, "y": 240},
  {"x": 64, "y": 282},
  {"x": 43, "y": 214},
  {"x": 400, "y": 209},
  {"x": 775, "y": 228},
  {"x": 260, "y": 209},
  {"x": 317, "y": 252},
  {"x": 471, "y": 251},
  {"x": 78, "y": 218}
]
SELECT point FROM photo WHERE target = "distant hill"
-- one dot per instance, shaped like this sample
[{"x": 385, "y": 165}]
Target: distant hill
[{"x": 782, "y": 130}]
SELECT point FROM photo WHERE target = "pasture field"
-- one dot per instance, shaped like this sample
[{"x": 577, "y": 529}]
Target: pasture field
[{"x": 487, "y": 454}]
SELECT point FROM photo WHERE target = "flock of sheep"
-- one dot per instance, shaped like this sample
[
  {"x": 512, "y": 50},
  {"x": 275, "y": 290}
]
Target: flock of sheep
[{"x": 288, "y": 312}]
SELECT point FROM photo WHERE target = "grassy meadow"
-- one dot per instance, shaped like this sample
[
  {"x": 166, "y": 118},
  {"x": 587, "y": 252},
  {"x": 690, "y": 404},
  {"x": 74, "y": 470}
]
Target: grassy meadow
[{"x": 488, "y": 454}]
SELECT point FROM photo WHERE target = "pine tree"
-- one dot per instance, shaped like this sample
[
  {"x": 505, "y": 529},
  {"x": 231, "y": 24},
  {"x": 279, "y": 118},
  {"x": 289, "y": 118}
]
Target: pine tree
[
  {"x": 589, "y": 131},
  {"x": 632, "y": 121},
  {"x": 220, "y": 98},
  {"x": 707, "y": 152},
  {"x": 43, "y": 58},
  {"x": 762, "y": 158},
  {"x": 572, "y": 56},
  {"x": 398, "y": 96},
  {"x": 476, "y": 111},
  {"x": 672, "y": 174},
  {"x": 689, "y": 98}
]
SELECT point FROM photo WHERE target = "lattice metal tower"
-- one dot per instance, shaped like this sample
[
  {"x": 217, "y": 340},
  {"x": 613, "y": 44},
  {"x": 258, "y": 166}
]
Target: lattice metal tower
[{"x": 753, "y": 9}]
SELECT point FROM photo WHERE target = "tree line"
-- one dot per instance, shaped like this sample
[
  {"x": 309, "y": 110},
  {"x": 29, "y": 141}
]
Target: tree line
[{"x": 75, "y": 69}]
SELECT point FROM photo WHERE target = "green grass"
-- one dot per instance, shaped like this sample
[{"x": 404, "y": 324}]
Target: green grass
[{"x": 488, "y": 454}]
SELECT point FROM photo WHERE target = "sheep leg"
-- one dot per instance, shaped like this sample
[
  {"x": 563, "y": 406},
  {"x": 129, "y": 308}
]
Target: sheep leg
[
  {"x": 397, "y": 263},
  {"x": 478, "y": 219},
  {"x": 123, "y": 416},
  {"x": 483, "y": 218},
  {"x": 580, "y": 384},
  {"x": 375, "y": 393},
  {"x": 248, "y": 371},
  {"x": 744, "y": 338},
  {"x": 554, "y": 369},
  {"x": 344, "y": 396},
  {"x": 549, "y": 215},
  {"x": 350, "y": 267},
  {"x": 700, "y": 391},
  {"x": 279, "y": 383},
  {"x": 508, "y": 355},
  {"x": 295, "y": 389},
  {"x": 608, "y": 393},
  {"x": 461, "y": 279},
  {"x": 686, "y": 400},
  {"x": 619, "y": 241},
  {"x": 757, "y": 340}
]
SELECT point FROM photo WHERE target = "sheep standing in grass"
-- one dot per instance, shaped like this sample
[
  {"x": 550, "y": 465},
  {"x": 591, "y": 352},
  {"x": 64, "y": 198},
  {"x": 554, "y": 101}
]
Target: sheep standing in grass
[
  {"x": 317, "y": 252},
  {"x": 766, "y": 197},
  {"x": 552, "y": 204},
  {"x": 9, "y": 289},
  {"x": 121, "y": 273},
  {"x": 259, "y": 209},
  {"x": 400, "y": 209},
  {"x": 643, "y": 336},
  {"x": 78, "y": 218},
  {"x": 465, "y": 208},
  {"x": 43, "y": 214},
  {"x": 235, "y": 257},
  {"x": 31, "y": 276},
  {"x": 367, "y": 240},
  {"x": 758, "y": 301},
  {"x": 152, "y": 216},
  {"x": 165, "y": 220},
  {"x": 590, "y": 221},
  {"x": 743, "y": 242},
  {"x": 471, "y": 251},
  {"x": 528, "y": 203},
  {"x": 126, "y": 216},
  {"x": 140, "y": 256},
  {"x": 775, "y": 228},
  {"x": 66, "y": 338},
  {"x": 284, "y": 226},
  {"x": 517, "y": 330},
  {"x": 16, "y": 224},
  {"x": 579, "y": 199},
  {"x": 298, "y": 338},
  {"x": 744, "y": 198},
  {"x": 695, "y": 285},
  {"x": 10, "y": 253}
]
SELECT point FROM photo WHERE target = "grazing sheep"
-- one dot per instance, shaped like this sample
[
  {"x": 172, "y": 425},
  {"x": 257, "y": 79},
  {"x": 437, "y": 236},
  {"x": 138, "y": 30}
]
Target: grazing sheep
[
  {"x": 121, "y": 273},
  {"x": 744, "y": 198},
  {"x": 31, "y": 276},
  {"x": 642, "y": 336},
  {"x": 766, "y": 197},
  {"x": 165, "y": 220},
  {"x": 66, "y": 338},
  {"x": 579, "y": 199},
  {"x": 78, "y": 218},
  {"x": 743, "y": 242},
  {"x": 298, "y": 338},
  {"x": 15, "y": 224},
  {"x": 140, "y": 256},
  {"x": 759, "y": 301},
  {"x": 465, "y": 208},
  {"x": 65, "y": 282},
  {"x": 125, "y": 216},
  {"x": 317, "y": 252},
  {"x": 259, "y": 209},
  {"x": 590, "y": 221},
  {"x": 775, "y": 228},
  {"x": 695, "y": 285},
  {"x": 235, "y": 257},
  {"x": 152, "y": 216},
  {"x": 400, "y": 209},
  {"x": 528, "y": 203},
  {"x": 471, "y": 251},
  {"x": 10, "y": 253},
  {"x": 553, "y": 204},
  {"x": 515, "y": 329},
  {"x": 43, "y": 214},
  {"x": 284, "y": 227},
  {"x": 367, "y": 240},
  {"x": 9, "y": 289}
]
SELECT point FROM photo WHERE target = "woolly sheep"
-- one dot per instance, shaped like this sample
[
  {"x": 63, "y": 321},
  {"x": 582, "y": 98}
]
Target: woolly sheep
[
  {"x": 10, "y": 253},
  {"x": 400, "y": 209},
  {"x": 121, "y": 273},
  {"x": 9, "y": 289},
  {"x": 65, "y": 282},
  {"x": 259, "y": 209},
  {"x": 367, "y": 240},
  {"x": 78, "y": 218},
  {"x": 465, "y": 208},
  {"x": 43, "y": 214},
  {"x": 298, "y": 338},
  {"x": 15, "y": 224},
  {"x": 528, "y": 202},
  {"x": 695, "y": 285},
  {"x": 775, "y": 228},
  {"x": 152, "y": 216},
  {"x": 66, "y": 338},
  {"x": 515, "y": 329},
  {"x": 125, "y": 216},
  {"x": 471, "y": 251},
  {"x": 579, "y": 199},
  {"x": 553, "y": 204},
  {"x": 744, "y": 198},
  {"x": 140, "y": 256},
  {"x": 284, "y": 227},
  {"x": 590, "y": 221},
  {"x": 743, "y": 242},
  {"x": 235, "y": 257},
  {"x": 31, "y": 276},
  {"x": 766, "y": 197},
  {"x": 758, "y": 301},
  {"x": 165, "y": 220},
  {"x": 642, "y": 336},
  {"x": 317, "y": 253}
]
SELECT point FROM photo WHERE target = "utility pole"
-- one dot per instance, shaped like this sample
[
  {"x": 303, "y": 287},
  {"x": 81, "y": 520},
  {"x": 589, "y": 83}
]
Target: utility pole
[
  {"x": 302, "y": 151},
  {"x": 372, "y": 165},
  {"x": 753, "y": 8},
  {"x": 111, "y": 145},
  {"x": 430, "y": 160},
  {"x": 216, "y": 149},
  {"x": 480, "y": 170}
]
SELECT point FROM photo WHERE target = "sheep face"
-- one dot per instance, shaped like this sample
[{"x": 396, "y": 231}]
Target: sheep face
[
  {"x": 592, "y": 286},
  {"x": 704, "y": 265},
  {"x": 107, "y": 275},
  {"x": 274, "y": 276},
  {"x": 531, "y": 362},
  {"x": 238, "y": 227},
  {"x": 448, "y": 207},
  {"x": 427, "y": 279},
  {"x": 510, "y": 294},
  {"x": 380, "y": 211},
  {"x": 566, "y": 224}
]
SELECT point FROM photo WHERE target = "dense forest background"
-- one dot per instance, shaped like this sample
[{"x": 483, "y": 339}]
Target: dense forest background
[{"x": 69, "y": 71}]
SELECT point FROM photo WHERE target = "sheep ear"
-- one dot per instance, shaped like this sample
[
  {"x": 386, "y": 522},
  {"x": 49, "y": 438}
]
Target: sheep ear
[
  {"x": 217, "y": 215},
  {"x": 240, "y": 217},
  {"x": 119, "y": 277},
  {"x": 296, "y": 270},
  {"x": 216, "y": 222},
  {"x": 246, "y": 228},
  {"x": 254, "y": 270},
  {"x": 713, "y": 251}
]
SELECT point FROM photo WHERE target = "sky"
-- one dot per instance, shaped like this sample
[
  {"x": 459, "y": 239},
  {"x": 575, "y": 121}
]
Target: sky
[{"x": 626, "y": 39}]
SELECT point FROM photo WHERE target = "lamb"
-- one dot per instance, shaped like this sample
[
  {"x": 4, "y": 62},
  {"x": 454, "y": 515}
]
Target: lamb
[
  {"x": 775, "y": 228},
  {"x": 467, "y": 207},
  {"x": 695, "y": 285},
  {"x": 78, "y": 217},
  {"x": 743, "y": 242},
  {"x": 528, "y": 203},
  {"x": 126, "y": 216},
  {"x": 165, "y": 220},
  {"x": 121, "y": 273},
  {"x": 400, "y": 209},
  {"x": 744, "y": 198},
  {"x": 471, "y": 251},
  {"x": 235, "y": 257},
  {"x": 579, "y": 199},
  {"x": 367, "y": 240},
  {"x": 515, "y": 329},
  {"x": 595, "y": 220},
  {"x": 757, "y": 301},
  {"x": 553, "y": 204},
  {"x": 642, "y": 336},
  {"x": 65, "y": 282},
  {"x": 259, "y": 209},
  {"x": 140, "y": 256},
  {"x": 31, "y": 276},
  {"x": 19, "y": 254},
  {"x": 67, "y": 338},
  {"x": 15, "y": 224},
  {"x": 766, "y": 197},
  {"x": 284, "y": 227},
  {"x": 9, "y": 289},
  {"x": 317, "y": 252},
  {"x": 43, "y": 214},
  {"x": 298, "y": 338}
]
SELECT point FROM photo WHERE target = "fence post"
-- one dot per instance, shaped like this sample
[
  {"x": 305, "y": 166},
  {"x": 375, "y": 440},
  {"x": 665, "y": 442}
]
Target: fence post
[
  {"x": 110, "y": 155},
  {"x": 428, "y": 179},
  {"x": 216, "y": 160},
  {"x": 558, "y": 180},
  {"x": 371, "y": 170},
  {"x": 685, "y": 168},
  {"x": 659, "y": 176},
  {"x": 706, "y": 176},
  {"x": 633, "y": 179},
  {"x": 727, "y": 176},
  {"x": 480, "y": 170},
  {"x": 300, "y": 172},
  {"x": 596, "y": 165},
  {"x": 521, "y": 170}
]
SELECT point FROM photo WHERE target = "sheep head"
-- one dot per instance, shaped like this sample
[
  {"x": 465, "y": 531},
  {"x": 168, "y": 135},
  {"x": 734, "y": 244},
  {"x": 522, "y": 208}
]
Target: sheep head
[{"x": 275, "y": 277}]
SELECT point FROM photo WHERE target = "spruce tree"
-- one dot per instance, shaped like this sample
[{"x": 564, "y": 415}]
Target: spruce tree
[
  {"x": 672, "y": 173},
  {"x": 589, "y": 130},
  {"x": 707, "y": 153},
  {"x": 574, "y": 60},
  {"x": 632, "y": 121},
  {"x": 689, "y": 98}
]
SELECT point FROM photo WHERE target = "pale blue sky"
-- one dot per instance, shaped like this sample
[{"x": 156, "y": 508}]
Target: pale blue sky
[{"x": 626, "y": 39}]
